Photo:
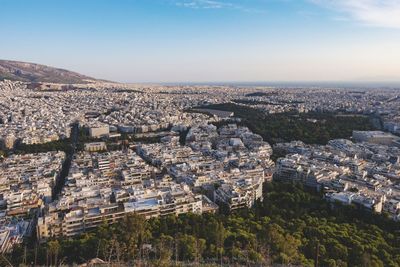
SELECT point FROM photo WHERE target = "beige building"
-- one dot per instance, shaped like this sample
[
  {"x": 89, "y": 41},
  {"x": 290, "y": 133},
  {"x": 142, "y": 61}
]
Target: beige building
[{"x": 93, "y": 147}]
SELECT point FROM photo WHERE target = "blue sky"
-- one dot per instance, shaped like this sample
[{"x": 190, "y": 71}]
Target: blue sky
[{"x": 204, "y": 40}]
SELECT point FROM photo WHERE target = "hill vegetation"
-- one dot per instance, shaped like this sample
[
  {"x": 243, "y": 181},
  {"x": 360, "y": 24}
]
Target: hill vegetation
[
  {"x": 290, "y": 226},
  {"x": 36, "y": 73},
  {"x": 311, "y": 128}
]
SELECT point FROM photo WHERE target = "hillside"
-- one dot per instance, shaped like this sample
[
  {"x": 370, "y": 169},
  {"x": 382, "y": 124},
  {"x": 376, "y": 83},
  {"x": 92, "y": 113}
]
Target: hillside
[{"x": 31, "y": 72}]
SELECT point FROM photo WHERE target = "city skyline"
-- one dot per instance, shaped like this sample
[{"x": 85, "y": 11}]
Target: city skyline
[
  {"x": 208, "y": 41},
  {"x": 200, "y": 133}
]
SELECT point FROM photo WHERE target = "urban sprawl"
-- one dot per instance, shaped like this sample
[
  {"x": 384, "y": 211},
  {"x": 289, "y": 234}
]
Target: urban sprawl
[{"x": 204, "y": 160}]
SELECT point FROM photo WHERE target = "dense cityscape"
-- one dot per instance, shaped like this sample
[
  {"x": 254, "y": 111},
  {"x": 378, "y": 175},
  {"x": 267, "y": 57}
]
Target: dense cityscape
[
  {"x": 76, "y": 158},
  {"x": 200, "y": 133}
]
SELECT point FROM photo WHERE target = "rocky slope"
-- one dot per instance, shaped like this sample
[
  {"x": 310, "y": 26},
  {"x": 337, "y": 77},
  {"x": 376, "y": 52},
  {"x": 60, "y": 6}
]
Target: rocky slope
[{"x": 36, "y": 73}]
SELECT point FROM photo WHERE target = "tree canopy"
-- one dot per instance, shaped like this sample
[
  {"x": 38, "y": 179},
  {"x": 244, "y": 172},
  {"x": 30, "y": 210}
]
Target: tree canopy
[{"x": 292, "y": 225}]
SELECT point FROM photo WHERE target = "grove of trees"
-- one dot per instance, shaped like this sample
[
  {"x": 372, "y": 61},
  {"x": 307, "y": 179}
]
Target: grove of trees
[
  {"x": 292, "y": 225},
  {"x": 311, "y": 127}
]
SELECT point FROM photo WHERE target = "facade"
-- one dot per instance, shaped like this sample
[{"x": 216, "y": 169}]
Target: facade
[
  {"x": 362, "y": 174},
  {"x": 94, "y": 147},
  {"x": 375, "y": 137},
  {"x": 99, "y": 131}
]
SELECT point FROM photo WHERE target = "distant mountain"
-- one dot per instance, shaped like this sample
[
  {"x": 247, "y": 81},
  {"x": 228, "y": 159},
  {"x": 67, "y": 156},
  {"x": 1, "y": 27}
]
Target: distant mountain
[{"x": 36, "y": 73}]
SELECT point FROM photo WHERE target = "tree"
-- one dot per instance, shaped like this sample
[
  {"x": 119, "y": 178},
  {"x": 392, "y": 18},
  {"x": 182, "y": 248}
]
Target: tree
[
  {"x": 220, "y": 239},
  {"x": 53, "y": 250},
  {"x": 164, "y": 246},
  {"x": 132, "y": 232}
]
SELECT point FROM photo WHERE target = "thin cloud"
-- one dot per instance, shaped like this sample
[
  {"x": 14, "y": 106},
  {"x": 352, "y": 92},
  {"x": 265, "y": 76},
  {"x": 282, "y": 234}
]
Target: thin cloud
[
  {"x": 210, "y": 4},
  {"x": 380, "y": 13},
  {"x": 206, "y": 4}
]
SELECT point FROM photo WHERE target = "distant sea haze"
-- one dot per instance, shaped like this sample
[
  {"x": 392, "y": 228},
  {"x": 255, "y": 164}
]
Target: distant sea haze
[{"x": 302, "y": 84}]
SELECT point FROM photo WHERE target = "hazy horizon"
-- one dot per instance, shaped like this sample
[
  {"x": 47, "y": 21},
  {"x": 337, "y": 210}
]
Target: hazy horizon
[
  {"x": 295, "y": 84},
  {"x": 207, "y": 41}
]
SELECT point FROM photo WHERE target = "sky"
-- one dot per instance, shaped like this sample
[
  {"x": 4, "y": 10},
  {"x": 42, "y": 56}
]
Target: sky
[{"x": 207, "y": 40}]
